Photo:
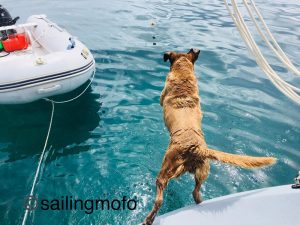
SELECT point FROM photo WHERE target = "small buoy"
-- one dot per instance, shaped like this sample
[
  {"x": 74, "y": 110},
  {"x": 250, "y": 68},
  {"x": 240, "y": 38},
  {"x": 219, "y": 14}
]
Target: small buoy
[
  {"x": 152, "y": 23},
  {"x": 153, "y": 37}
]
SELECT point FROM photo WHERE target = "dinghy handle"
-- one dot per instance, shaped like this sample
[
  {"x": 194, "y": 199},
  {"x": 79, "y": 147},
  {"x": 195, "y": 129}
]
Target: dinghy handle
[
  {"x": 49, "y": 89},
  {"x": 72, "y": 43}
]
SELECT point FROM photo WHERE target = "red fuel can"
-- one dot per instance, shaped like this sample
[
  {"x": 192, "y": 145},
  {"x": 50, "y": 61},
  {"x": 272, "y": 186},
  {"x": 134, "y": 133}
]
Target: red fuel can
[{"x": 15, "y": 43}]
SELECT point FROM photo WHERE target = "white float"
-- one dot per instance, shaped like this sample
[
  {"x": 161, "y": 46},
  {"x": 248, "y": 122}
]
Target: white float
[
  {"x": 269, "y": 206},
  {"x": 53, "y": 63}
]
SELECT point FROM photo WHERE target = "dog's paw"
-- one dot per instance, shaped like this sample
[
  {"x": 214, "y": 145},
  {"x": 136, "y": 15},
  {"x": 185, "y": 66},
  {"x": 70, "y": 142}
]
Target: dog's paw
[
  {"x": 197, "y": 197},
  {"x": 147, "y": 222}
]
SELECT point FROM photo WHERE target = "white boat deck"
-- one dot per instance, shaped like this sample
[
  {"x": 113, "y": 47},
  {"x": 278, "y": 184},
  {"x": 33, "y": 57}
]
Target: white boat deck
[{"x": 270, "y": 206}]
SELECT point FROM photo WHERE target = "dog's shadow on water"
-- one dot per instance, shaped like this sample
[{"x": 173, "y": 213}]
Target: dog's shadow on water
[{"x": 23, "y": 128}]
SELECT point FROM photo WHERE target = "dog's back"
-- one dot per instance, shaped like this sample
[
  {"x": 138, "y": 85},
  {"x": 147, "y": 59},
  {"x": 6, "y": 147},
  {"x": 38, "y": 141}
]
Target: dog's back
[{"x": 180, "y": 98}]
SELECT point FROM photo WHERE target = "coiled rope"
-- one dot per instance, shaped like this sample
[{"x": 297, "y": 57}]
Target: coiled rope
[
  {"x": 46, "y": 141},
  {"x": 287, "y": 89}
]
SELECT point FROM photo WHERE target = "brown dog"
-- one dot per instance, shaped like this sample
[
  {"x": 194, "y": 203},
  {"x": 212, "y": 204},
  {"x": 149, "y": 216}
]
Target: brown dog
[{"x": 187, "y": 150}]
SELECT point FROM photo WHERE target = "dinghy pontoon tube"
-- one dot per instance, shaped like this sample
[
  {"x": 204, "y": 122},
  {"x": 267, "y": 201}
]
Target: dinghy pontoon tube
[{"x": 53, "y": 63}]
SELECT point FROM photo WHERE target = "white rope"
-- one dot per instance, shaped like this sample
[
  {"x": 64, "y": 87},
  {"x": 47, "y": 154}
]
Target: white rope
[
  {"x": 279, "y": 83},
  {"x": 279, "y": 51},
  {"x": 286, "y": 88},
  {"x": 39, "y": 165},
  {"x": 46, "y": 141}
]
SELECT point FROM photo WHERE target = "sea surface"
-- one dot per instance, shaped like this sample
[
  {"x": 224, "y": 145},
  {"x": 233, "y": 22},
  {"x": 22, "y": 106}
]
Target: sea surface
[{"x": 111, "y": 141}]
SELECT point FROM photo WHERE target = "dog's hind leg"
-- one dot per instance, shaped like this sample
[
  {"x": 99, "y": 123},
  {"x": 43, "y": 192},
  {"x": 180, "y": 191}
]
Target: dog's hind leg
[
  {"x": 161, "y": 183},
  {"x": 170, "y": 169},
  {"x": 201, "y": 173}
]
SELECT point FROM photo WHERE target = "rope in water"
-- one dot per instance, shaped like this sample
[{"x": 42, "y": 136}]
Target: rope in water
[
  {"x": 40, "y": 163},
  {"x": 46, "y": 141},
  {"x": 286, "y": 88}
]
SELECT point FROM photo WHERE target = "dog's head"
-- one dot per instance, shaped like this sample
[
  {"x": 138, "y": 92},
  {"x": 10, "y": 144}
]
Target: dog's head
[{"x": 191, "y": 56}]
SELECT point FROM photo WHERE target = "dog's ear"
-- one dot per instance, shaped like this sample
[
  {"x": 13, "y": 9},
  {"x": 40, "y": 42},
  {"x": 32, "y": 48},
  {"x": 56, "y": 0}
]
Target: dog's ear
[
  {"x": 167, "y": 56},
  {"x": 195, "y": 53}
]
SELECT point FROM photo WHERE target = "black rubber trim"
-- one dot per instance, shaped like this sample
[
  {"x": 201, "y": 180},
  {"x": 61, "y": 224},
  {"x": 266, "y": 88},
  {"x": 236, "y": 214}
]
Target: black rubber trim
[{"x": 45, "y": 78}]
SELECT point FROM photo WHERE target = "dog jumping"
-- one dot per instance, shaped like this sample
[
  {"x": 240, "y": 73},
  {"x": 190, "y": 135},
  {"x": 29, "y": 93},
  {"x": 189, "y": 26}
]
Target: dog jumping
[{"x": 187, "y": 150}]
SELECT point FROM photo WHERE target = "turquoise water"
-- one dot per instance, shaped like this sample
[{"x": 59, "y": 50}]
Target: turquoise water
[{"x": 112, "y": 140}]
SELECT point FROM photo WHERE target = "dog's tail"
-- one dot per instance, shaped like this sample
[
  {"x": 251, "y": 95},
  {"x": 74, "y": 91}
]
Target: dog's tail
[{"x": 244, "y": 161}]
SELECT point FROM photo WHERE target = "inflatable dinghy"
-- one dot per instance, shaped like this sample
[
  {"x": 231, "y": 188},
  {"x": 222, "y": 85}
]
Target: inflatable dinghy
[
  {"x": 270, "y": 206},
  {"x": 39, "y": 59}
]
